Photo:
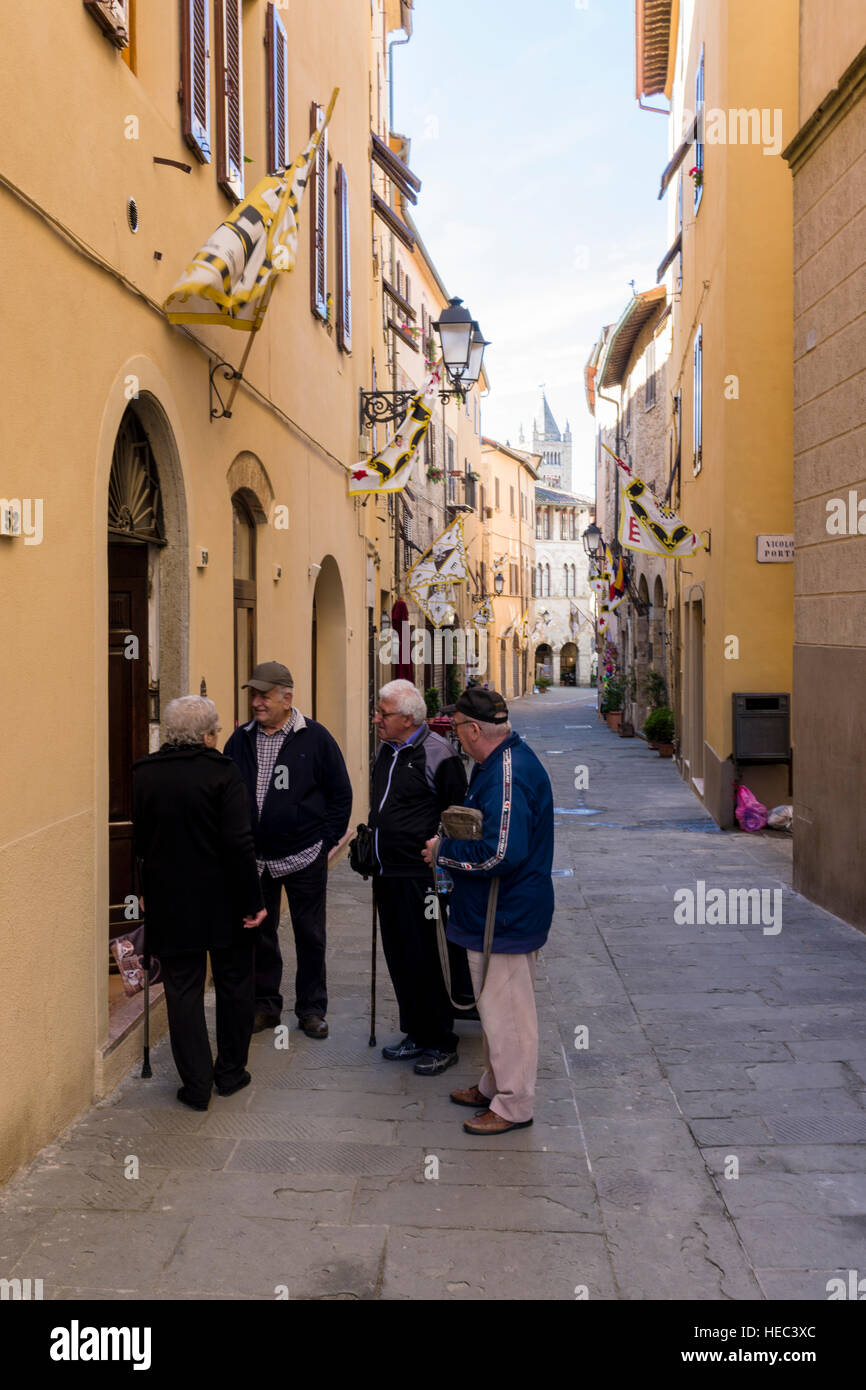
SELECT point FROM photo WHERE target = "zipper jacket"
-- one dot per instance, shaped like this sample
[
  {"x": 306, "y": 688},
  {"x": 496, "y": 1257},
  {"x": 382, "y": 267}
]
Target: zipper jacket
[
  {"x": 512, "y": 791},
  {"x": 413, "y": 783}
]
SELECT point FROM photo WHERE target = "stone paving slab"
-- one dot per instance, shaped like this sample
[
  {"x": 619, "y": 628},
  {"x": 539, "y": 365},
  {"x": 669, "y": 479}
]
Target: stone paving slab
[
  {"x": 341, "y": 1176},
  {"x": 463, "y": 1207},
  {"x": 223, "y": 1253},
  {"x": 478, "y": 1265}
]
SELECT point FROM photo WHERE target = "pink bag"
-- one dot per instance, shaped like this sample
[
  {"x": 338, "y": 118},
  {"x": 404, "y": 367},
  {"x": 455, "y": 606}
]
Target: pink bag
[{"x": 749, "y": 811}]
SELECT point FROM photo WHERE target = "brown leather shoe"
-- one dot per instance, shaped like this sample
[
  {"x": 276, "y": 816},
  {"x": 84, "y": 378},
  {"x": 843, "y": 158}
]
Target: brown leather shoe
[
  {"x": 491, "y": 1123},
  {"x": 314, "y": 1026},
  {"x": 471, "y": 1096}
]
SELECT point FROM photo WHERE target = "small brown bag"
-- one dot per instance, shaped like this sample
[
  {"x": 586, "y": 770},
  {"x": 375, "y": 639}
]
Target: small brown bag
[{"x": 465, "y": 823}]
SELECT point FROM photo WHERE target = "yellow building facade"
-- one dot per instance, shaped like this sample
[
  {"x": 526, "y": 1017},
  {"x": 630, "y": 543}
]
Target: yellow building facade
[
  {"x": 730, "y": 72},
  {"x": 507, "y": 505},
  {"x": 174, "y": 549}
]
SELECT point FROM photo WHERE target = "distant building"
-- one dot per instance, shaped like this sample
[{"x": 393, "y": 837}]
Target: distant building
[
  {"x": 562, "y": 629},
  {"x": 553, "y": 446}
]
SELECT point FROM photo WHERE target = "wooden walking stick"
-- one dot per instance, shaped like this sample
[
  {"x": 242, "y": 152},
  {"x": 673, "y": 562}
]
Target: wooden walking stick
[{"x": 373, "y": 980}]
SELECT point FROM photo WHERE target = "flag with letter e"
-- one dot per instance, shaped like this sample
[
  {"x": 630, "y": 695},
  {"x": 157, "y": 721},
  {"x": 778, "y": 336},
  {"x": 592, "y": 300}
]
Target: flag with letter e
[{"x": 647, "y": 525}]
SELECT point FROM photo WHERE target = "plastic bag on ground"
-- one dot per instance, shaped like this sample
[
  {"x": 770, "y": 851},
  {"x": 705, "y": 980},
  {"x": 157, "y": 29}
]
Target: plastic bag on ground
[
  {"x": 781, "y": 818},
  {"x": 750, "y": 814}
]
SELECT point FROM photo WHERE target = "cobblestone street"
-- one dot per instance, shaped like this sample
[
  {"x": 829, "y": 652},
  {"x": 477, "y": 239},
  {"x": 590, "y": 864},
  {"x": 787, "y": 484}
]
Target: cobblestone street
[{"x": 710, "y": 1050}]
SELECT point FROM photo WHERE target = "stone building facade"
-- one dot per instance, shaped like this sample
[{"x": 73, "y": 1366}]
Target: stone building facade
[
  {"x": 829, "y": 175},
  {"x": 562, "y": 630}
]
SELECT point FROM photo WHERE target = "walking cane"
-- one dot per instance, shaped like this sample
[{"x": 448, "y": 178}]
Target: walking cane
[
  {"x": 146, "y": 1072},
  {"x": 373, "y": 979}
]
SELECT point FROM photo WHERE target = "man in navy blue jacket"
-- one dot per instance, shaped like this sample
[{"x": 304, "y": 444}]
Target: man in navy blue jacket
[
  {"x": 512, "y": 790},
  {"x": 300, "y": 801}
]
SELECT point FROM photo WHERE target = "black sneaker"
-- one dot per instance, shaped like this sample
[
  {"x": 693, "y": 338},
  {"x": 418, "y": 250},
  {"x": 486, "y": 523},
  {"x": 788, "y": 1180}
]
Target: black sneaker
[
  {"x": 435, "y": 1061},
  {"x": 404, "y": 1051}
]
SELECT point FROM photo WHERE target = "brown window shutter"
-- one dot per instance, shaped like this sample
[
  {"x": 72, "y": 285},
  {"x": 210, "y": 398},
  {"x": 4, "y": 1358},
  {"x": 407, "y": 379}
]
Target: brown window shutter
[
  {"x": 277, "y": 45},
  {"x": 318, "y": 196},
  {"x": 112, "y": 16},
  {"x": 344, "y": 264},
  {"x": 230, "y": 124},
  {"x": 195, "y": 77}
]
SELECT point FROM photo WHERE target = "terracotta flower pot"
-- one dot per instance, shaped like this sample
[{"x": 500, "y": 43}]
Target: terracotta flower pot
[
  {"x": 614, "y": 718},
  {"x": 666, "y": 750}
]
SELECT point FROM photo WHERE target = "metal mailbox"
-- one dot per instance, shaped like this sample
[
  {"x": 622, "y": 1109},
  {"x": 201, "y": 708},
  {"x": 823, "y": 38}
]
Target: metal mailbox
[{"x": 762, "y": 727}]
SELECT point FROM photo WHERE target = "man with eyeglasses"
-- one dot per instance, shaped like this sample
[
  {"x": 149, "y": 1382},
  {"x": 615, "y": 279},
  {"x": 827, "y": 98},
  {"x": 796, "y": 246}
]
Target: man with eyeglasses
[
  {"x": 416, "y": 776},
  {"x": 512, "y": 791}
]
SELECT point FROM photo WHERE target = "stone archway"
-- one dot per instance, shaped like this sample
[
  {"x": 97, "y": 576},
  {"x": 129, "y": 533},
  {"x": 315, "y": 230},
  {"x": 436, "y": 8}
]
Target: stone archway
[
  {"x": 328, "y": 651},
  {"x": 568, "y": 673},
  {"x": 543, "y": 661}
]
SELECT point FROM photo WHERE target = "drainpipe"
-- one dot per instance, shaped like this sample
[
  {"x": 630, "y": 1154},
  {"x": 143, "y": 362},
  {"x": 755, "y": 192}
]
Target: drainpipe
[{"x": 395, "y": 43}]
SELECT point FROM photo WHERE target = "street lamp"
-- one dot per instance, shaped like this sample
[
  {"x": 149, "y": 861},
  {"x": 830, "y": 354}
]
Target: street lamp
[
  {"x": 592, "y": 541},
  {"x": 499, "y": 583},
  {"x": 463, "y": 346},
  {"x": 455, "y": 327},
  {"x": 476, "y": 357}
]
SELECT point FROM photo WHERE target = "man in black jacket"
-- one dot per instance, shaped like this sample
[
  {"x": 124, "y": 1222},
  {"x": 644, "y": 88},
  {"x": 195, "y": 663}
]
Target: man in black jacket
[
  {"x": 417, "y": 774},
  {"x": 301, "y": 799}
]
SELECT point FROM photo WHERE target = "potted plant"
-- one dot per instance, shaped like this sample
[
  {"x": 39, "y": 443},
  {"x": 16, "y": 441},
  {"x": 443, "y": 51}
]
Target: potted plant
[
  {"x": 543, "y": 682},
  {"x": 614, "y": 691},
  {"x": 654, "y": 689},
  {"x": 659, "y": 731},
  {"x": 431, "y": 700}
]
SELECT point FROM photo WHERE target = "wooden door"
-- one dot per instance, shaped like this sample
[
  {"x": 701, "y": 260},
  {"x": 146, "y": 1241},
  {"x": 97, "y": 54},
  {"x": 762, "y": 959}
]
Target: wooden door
[{"x": 127, "y": 712}]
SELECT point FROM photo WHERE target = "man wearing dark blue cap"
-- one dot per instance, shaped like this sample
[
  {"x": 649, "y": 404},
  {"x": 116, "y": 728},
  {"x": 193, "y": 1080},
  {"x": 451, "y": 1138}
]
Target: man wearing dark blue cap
[{"x": 512, "y": 790}]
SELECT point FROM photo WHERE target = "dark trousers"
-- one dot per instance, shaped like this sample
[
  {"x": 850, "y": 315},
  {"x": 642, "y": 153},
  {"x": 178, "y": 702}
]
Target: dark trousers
[
  {"x": 233, "y": 976},
  {"x": 306, "y": 891},
  {"x": 412, "y": 955}
]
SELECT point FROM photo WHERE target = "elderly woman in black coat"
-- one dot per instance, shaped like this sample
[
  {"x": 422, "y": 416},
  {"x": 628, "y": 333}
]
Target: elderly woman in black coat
[{"x": 201, "y": 894}]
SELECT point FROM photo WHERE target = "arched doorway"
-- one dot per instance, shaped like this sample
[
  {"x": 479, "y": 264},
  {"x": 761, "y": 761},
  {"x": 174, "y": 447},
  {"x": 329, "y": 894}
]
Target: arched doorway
[
  {"x": 568, "y": 664},
  {"x": 148, "y": 575},
  {"x": 328, "y": 651},
  {"x": 244, "y": 580},
  {"x": 543, "y": 661}
]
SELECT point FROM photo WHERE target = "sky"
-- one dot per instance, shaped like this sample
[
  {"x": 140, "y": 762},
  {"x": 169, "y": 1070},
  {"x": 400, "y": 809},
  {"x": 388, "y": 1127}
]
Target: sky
[{"x": 540, "y": 179}]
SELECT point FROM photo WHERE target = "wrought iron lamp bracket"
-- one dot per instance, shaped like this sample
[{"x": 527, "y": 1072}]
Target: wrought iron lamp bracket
[
  {"x": 218, "y": 411},
  {"x": 384, "y": 407}
]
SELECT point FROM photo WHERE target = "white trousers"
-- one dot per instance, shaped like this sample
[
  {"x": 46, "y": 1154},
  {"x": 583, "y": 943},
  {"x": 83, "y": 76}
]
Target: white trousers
[{"x": 510, "y": 1022}]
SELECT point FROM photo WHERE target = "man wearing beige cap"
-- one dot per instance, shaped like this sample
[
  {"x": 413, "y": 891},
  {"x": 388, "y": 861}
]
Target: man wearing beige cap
[{"x": 300, "y": 801}]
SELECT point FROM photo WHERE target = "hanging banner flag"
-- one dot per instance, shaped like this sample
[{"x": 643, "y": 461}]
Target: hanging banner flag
[
  {"x": 483, "y": 616},
  {"x": 391, "y": 469},
  {"x": 443, "y": 562},
  {"x": 231, "y": 278},
  {"x": 647, "y": 525},
  {"x": 524, "y": 629},
  {"x": 436, "y": 602}
]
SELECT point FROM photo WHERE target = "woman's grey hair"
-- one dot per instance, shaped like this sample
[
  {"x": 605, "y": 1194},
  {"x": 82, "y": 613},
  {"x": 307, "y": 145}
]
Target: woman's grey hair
[
  {"x": 407, "y": 700},
  {"x": 188, "y": 718}
]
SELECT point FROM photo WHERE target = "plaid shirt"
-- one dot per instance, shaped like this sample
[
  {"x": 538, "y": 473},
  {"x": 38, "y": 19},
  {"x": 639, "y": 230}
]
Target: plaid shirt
[{"x": 267, "y": 748}]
